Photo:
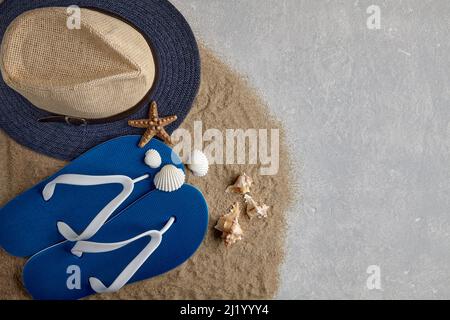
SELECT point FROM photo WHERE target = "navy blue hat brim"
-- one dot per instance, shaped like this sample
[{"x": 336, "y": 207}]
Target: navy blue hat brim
[{"x": 177, "y": 83}]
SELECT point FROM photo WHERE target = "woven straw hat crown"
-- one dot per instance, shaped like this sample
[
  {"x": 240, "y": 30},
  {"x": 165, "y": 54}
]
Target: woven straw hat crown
[{"x": 99, "y": 70}]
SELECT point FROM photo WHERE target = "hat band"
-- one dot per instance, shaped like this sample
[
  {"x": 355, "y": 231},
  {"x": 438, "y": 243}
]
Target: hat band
[
  {"x": 69, "y": 120},
  {"x": 77, "y": 121}
]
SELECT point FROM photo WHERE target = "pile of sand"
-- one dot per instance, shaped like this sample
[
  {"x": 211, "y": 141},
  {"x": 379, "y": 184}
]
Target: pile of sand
[{"x": 249, "y": 269}]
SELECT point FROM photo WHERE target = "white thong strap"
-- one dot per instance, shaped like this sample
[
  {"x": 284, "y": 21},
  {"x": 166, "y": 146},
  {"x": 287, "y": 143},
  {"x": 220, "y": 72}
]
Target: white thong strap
[
  {"x": 155, "y": 236},
  {"x": 84, "y": 180}
]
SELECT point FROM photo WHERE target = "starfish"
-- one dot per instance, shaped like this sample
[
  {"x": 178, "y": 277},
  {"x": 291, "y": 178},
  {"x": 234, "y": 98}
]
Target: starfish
[{"x": 154, "y": 125}]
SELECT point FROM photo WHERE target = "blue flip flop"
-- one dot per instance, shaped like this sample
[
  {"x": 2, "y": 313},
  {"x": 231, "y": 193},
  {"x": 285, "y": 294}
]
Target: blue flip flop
[
  {"x": 78, "y": 197},
  {"x": 157, "y": 233}
]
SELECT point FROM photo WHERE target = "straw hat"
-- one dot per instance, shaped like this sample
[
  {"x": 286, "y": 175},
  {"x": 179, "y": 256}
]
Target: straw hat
[{"x": 67, "y": 87}]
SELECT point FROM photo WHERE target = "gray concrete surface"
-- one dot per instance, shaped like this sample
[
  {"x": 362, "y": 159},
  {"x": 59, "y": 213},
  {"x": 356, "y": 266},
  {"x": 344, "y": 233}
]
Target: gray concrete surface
[{"x": 368, "y": 117}]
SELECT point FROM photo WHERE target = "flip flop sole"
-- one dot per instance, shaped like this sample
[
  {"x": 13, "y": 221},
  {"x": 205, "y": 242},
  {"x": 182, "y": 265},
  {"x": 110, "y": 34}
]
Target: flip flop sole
[
  {"x": 56, "y": 274},
  {"x": 28, "y": 223}
]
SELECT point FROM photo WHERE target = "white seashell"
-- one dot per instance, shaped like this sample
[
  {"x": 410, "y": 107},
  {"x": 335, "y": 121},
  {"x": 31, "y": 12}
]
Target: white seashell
[
  {"x": 153, "y": 158},
  {"x": 198, "y": 163},
  {"x": 169, "y": 178},
  {"x": 254, "y": 209}
]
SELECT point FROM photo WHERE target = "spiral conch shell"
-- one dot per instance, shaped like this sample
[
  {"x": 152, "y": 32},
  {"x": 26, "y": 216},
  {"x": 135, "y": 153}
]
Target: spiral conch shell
[
  {"x": 169, "y": 178},
  {"x": 198, "y": 163},
  {"x": 153, "y": 159},
  {"x": 242, "y": 185},
  {"x": 229, "y": 225},
  {"x": 254, "y": 209}
]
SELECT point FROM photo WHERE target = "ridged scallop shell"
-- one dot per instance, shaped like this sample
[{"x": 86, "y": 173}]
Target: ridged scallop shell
[
  {"x": 169, "y": 179},
  {"x": 153, "y": 158},
  {"x": 198, "y": 163}
]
